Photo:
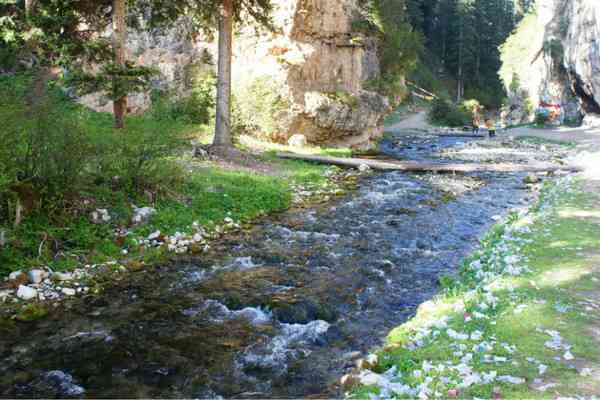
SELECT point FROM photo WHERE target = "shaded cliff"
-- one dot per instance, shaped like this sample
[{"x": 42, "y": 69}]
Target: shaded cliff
[{"x": 554, "y": 57}]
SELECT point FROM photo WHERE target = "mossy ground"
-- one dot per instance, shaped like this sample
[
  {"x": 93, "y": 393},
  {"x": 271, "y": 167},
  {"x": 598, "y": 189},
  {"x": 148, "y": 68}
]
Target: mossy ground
[{"x": 561, "y": 248}]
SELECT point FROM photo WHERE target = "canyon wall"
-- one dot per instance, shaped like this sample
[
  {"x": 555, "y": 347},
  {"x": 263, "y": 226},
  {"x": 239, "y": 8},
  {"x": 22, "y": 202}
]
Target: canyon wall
[
  {"x": 558, "y": 60},
  {"x": 314, "y": 59}
]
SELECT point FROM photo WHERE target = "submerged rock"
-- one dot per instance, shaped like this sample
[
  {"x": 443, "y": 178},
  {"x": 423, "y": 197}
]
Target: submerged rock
[{"x": 57, "y": 384}]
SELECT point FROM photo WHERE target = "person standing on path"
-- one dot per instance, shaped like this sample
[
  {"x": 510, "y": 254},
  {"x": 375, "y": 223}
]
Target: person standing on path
[
  {"x": 489, "y": 124},
  {"x": 476, "y": 122}
]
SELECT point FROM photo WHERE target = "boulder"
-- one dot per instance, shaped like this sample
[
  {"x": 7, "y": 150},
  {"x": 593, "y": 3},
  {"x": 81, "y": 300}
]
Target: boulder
[
  {"x": 591, "y": 121},
  {"x": 16, "y": 275},
  {"x": 531, "y": 179}
]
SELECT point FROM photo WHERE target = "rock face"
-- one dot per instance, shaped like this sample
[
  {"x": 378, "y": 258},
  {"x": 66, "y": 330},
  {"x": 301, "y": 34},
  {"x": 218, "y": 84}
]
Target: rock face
[
  {"x": 314, "y": 59},
  {"x": 563, "y": 60},
  {"x": 321, "y": 65}
]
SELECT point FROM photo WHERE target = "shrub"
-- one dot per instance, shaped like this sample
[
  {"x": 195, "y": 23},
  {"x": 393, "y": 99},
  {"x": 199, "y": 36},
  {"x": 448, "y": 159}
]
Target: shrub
[
  {"x": 197, "y": 108},
  {"x": 444, "y": 112},
  {"x": 43, "y": 156},
  {"x": 258, "y": 108},
  {"x": 54, "y": 150}
]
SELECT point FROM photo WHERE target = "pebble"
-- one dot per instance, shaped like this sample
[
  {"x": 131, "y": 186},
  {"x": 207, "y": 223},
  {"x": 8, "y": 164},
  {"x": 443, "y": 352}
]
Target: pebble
[
  {"x": 62, "y": 276},
  {"x": 154, "y": 235},
  {"x": 27, "y": 293},
  {"x": 68, "y": 292}
]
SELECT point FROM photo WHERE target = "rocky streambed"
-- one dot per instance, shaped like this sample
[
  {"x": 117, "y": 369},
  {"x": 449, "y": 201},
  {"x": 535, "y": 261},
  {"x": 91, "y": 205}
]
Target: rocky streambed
[{"x": 282, "y": 310}]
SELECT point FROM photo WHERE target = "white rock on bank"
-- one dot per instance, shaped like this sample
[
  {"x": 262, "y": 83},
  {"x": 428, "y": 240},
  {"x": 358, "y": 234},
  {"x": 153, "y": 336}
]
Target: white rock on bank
[
  {"x": 141, "y": 215},
  {"x": 68, "y": 291},
  {"x": 364, "y": 168},
  {"x": 154, "y": 235},
  {"x": 37, "y": 275},
  {"x": 297, "y": 141},
  {"x": 100, "y": 216},
  {"x": 62, "y": 276},
  {"x": 15, "y": 275},
  {"x": 27, "y": 293}
]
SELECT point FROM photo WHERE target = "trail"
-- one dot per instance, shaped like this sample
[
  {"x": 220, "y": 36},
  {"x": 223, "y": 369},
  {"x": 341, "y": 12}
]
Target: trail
[{"x": 414, "y": 122}]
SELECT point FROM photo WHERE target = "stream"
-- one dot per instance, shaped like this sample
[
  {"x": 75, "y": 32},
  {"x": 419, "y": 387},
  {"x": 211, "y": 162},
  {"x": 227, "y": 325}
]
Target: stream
[{"x": 282, "y": 310}]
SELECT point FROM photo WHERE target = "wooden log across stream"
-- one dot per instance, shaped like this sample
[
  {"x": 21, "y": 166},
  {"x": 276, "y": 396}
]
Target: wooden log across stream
[{"x": 416, "y": 166}]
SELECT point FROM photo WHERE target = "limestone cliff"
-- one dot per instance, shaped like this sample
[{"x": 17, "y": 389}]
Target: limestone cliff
[
  {"x": 314, "y": 59},
  {"x": 558, "y": 59}
]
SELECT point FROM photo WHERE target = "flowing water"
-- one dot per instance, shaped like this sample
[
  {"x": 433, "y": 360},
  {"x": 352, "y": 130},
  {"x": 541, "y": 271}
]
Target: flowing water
[{"x": 280, "y": 311}]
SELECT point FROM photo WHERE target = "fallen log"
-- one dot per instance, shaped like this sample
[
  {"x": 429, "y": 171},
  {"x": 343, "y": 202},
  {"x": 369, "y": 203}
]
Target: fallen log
[
  {"x": 415, "y": 166},
  {"x": 461, "y": 135}
]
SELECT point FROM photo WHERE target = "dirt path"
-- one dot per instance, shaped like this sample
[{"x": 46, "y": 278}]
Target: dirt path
[
  {"x": 587, "y": 139},
  {"x": 414, "y": 122}
]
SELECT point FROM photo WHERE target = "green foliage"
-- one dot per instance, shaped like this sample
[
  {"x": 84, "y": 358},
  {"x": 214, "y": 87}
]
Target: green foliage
[
  {"x": 258, "y": 108},
  {"x": 54, "y": 149},
  {"x": 444, "y": 112},
  {"x": 31, "y": 312},
  {"x": 197, "y": 108},
  {"x": 554, "y": 48},
  {"x": 400, "y": 44},
  {"x": 114, "y": 80}
]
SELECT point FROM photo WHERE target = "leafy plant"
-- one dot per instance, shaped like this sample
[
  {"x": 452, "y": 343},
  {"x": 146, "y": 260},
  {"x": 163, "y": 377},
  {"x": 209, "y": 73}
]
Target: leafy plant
[
  {"x": 259, "y": 108},
  {"x": 444, "y": 112}
]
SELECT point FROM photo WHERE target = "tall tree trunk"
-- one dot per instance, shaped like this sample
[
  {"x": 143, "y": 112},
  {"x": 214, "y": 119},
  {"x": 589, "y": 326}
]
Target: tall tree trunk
[
  {"x": 223, "y": 122},
  {"x": 29, "y": 8},
  {"x": 460, "y": 89},
  {"x": 119, "y": 39}
]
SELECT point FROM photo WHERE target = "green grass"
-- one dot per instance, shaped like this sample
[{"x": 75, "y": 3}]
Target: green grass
[
  {"x": 561, "y": 247},
  {"x": 65, "y": 239}
]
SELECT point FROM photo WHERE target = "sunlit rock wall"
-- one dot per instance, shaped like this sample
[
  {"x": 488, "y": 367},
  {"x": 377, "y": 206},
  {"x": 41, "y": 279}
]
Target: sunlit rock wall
[{"x": 314, "y": 59}]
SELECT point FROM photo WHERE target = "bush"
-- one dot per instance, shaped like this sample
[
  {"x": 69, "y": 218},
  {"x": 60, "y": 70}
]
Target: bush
[
  {"x": 138, "y": 156},
  {"x": 197, "y": 108},
  {"x": 258, "y": 108},
  {"x": 443, "y": 112},
  {"x": 44, "y": 155},
  {"x": 53, "y": 151}
]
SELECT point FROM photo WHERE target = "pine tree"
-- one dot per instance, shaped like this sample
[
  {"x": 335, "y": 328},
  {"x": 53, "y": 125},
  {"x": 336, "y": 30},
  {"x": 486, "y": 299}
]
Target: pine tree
[{"x": 119, "y": 18}]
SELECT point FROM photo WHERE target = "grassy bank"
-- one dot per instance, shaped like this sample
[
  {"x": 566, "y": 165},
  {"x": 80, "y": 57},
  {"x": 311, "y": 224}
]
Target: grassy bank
[
  {"x": 147, "y": 164},
  {"x": 521, "y": 320}
]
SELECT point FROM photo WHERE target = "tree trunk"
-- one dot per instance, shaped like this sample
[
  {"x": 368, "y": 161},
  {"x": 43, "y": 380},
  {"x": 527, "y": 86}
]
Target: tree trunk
[
  {"x": 119, "y": 39},
  {"x": 460, "y": 89},
  {"x": 223, "y": 122},
  {"x": 29, "y": 8}
]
